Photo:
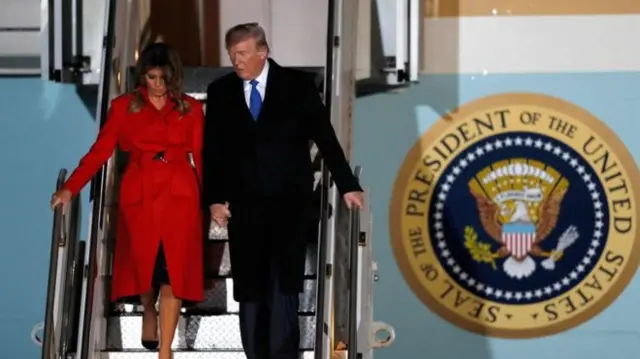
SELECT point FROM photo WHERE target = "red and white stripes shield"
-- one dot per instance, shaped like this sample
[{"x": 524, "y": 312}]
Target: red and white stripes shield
[{"x": 518, "y": 238}]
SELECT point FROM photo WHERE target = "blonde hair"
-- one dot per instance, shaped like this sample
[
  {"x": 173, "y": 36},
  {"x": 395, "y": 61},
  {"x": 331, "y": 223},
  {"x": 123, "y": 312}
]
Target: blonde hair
[{"x": 241, "y": 32}]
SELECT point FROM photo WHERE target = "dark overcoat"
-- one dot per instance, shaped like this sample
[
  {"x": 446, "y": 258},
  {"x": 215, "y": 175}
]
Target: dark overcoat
[{"x": 263, "y": 169}]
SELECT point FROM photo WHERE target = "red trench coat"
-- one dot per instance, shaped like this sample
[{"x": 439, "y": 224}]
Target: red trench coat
[{"x": 159, "y": 199}]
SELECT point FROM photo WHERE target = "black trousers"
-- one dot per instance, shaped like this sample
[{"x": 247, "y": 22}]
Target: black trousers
[
  {"x": 269, "y": 327},
  {"x": 267, "y": 238}
]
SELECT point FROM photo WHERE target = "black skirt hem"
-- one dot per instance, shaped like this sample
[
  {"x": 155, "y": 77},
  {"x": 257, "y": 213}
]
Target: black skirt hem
[{"x": 160, "y": 278}]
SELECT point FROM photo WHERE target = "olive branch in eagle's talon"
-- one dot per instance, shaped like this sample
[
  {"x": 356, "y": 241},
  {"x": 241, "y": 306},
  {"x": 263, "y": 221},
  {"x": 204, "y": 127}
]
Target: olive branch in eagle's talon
[{"x": 480, "y": 251}]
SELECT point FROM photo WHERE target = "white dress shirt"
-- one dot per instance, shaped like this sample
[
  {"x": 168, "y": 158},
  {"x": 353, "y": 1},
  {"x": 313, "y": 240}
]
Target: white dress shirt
[{"x": 262, "y": 84}]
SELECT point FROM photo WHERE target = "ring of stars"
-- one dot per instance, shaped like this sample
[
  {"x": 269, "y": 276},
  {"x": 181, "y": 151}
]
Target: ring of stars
[{"x": 548, "y": 290}]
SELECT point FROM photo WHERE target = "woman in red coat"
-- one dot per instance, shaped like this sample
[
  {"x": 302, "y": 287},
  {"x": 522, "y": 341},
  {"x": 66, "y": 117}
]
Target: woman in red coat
[{"x": 159, "y": 235}]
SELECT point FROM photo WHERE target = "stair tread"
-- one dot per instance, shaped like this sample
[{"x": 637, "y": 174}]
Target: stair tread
[
  {"x": 211, "y": 328},
  {"x": 219, "y": 299},
  {"x": 188, "y": 351},
  {"x": 196, "y": 332},
  {"x": 306, "y": 354},
  {"x": 186, "y": 314}
]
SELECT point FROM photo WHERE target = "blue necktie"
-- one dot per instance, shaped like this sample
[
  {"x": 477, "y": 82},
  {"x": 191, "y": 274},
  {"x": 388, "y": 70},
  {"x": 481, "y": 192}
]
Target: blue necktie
[{"x": 255, "y": 101}]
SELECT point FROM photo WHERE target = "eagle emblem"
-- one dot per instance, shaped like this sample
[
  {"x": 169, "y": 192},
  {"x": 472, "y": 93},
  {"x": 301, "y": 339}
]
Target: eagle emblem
[{"x": 518, "y": 202}]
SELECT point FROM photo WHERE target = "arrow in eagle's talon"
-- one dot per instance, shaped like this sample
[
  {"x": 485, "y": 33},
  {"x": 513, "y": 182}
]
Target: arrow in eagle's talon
[{"x": 556, "y": 255}]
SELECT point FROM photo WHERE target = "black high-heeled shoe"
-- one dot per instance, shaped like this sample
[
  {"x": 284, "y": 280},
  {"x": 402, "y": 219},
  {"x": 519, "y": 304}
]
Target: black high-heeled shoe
[{"x": 150, "y": 344}]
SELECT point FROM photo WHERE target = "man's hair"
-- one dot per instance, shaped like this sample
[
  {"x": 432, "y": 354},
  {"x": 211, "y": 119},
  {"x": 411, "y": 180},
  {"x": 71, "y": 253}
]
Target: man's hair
[{"x": 241, "y": 32}]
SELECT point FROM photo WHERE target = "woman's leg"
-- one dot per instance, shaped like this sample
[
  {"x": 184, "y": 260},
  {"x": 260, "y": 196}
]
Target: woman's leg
[
  {"x": 149, "y": 320},
  {"x": 169, "y": 315}
]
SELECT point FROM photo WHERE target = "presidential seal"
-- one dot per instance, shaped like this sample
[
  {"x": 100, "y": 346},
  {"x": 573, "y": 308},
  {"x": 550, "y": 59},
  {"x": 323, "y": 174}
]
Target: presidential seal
[{"x": 517, "y": 216}]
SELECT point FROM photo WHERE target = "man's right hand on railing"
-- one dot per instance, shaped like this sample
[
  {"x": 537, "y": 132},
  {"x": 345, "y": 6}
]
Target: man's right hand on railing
[
  {"x": 61, "y": 197},
  {"x": 354, "y": 200}
]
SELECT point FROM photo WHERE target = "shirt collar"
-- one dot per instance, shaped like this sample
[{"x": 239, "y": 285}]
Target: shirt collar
[{"x": 262, "y": 78}]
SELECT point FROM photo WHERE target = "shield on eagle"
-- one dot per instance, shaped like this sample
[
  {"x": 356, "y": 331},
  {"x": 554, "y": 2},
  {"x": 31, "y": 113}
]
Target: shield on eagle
[{"x": 519, "y": 238}]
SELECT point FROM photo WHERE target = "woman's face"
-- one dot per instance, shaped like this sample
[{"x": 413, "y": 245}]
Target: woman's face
[{"x": 154, "y": 80}]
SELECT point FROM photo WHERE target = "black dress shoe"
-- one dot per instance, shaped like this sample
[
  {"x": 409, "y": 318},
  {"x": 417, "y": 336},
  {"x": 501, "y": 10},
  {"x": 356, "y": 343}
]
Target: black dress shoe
[{"x": 150, "y": 344}]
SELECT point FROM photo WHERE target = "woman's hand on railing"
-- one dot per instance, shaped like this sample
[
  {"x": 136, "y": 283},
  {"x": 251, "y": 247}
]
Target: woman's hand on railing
[{"x": 61, "y": 197}]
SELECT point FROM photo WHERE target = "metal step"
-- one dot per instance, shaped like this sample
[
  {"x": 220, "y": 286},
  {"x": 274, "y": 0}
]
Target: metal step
[
  {"x": 219, "y": 295},
  {"x": 210, "y": 329},
  {"x": 219, "y": 300},
  {"x": 185, "y": 355},
  {"x": 220, "y": 332}
]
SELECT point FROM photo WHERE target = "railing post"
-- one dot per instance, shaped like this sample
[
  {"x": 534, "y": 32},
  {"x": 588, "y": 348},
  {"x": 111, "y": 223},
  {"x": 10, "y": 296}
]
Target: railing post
[
  {"x": 61, "y": 286},
  {"x": 96, "y": 262},
  {"x": 323, "y": 275},
  {"x": 354, "y": 238},
  {"x": 70, "y": 290},
  {"x": 49, "y": 345}
]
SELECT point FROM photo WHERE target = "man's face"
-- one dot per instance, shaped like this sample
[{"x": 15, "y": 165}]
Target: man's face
[{"x": 247, "y": 58}]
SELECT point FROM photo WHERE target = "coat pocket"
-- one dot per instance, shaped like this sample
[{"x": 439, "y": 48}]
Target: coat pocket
[
  {"x": 185, "y": 182},
  {"x": 130, "y": 190}
]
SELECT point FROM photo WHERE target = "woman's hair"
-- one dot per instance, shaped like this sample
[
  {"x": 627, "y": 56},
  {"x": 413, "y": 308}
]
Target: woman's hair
[{"x": 160, "y": 56}]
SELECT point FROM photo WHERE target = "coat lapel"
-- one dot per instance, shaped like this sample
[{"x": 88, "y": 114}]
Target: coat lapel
[{"x": 239, "y": 100}]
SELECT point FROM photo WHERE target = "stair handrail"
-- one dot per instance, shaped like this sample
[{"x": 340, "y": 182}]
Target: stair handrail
[
  {"x": 354, "y": 240},
  {"x": 49, "y": 342},
  {"x": 325, "y": 206},
  {"x": 98, "y": 187},
  {"x": 73, "y": 263},
  {"x": 321, "y": 269},
  {"x": 58, "y": 322}
]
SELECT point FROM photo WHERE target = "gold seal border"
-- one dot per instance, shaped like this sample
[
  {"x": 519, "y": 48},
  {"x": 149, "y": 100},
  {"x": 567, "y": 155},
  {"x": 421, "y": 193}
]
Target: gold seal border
[{"x": 449, "y": 120}]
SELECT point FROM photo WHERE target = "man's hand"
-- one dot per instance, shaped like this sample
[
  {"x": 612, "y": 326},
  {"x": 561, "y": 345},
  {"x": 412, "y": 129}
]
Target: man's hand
[
  {"x": 354, "y": 199},
  {"x": 220, "y": 213}
]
